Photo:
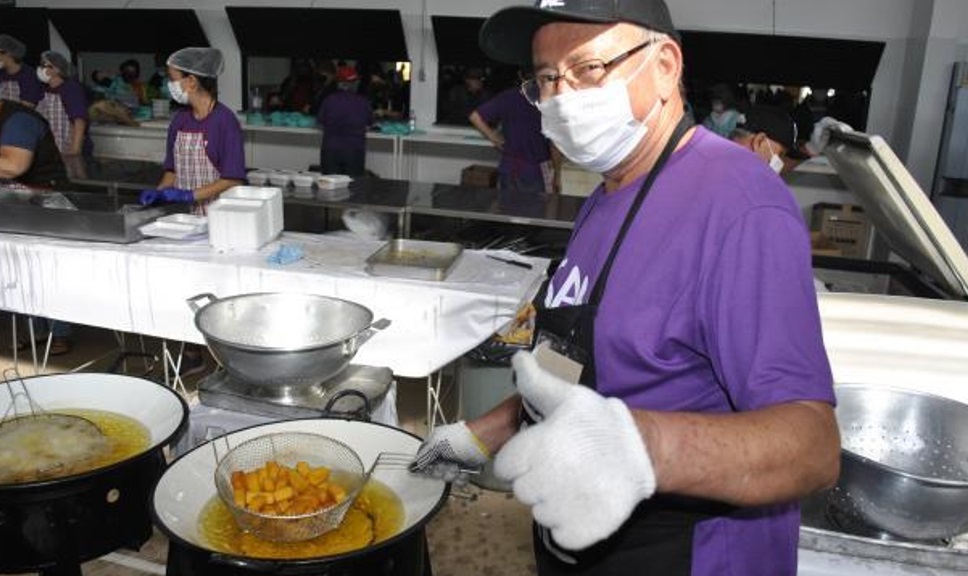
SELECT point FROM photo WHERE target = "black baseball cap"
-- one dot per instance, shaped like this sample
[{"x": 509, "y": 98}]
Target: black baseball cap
[
  {"x": 506, "y": 35},
  {"x": 776, "y": 123}
]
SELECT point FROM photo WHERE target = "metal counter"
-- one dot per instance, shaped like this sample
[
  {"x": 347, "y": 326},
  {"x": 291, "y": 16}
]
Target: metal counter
[{"x": 402, "y": 199}]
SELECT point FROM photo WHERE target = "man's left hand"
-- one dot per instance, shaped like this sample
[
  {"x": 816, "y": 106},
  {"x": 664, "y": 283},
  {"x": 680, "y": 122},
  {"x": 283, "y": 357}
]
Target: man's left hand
[{"x": 584, "y": 468}]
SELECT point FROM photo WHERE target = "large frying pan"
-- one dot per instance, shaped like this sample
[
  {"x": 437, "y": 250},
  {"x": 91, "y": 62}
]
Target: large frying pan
[
  {"x": 53, "y": 525},
  {"x": 189, "y": 484}
]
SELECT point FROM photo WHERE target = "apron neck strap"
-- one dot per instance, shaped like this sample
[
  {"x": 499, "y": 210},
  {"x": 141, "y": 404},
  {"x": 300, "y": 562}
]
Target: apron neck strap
[{"x": 685, "y": 123}]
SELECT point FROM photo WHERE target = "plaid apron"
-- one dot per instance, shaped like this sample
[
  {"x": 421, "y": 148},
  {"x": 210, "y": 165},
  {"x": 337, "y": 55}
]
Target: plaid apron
[
  {"x": 10, "y": 90},
  {"x": 192, "y": 165},
  {"x": 52, "y": 108}
]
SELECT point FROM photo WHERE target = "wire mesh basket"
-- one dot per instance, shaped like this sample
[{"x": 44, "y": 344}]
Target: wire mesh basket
[{"x": 291, "y": 450}]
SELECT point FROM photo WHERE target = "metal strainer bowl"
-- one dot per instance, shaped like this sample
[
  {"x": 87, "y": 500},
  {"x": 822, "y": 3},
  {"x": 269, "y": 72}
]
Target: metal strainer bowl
[
  {"x": 904, "y": 464},
  {"x": 288, "y": 449}
]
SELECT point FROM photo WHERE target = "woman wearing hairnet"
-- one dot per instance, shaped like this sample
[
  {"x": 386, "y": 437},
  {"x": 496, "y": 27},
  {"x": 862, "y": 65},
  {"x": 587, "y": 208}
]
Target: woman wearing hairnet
[
  {"x": 18, "y": 81},
  {"x": 204, "y": 155},
  {"x": 64, "y": 105}
]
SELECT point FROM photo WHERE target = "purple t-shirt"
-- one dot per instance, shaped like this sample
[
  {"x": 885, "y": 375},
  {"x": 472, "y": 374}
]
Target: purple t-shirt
[
  {"x": 344, "y": 117},
  {"x": 223, "y": 140},
  {"x": 525, "y": 147},
  {"x": 30, "y": 88},
  {"x": 710, "y": 307}
]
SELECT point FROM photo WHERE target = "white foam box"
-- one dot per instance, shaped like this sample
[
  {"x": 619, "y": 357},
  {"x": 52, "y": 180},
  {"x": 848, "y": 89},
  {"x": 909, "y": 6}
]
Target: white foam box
[
  {"x": 237, "y": 224},
  {"x": 333, "y": 181},
  {"x": 263, "y": 194}
]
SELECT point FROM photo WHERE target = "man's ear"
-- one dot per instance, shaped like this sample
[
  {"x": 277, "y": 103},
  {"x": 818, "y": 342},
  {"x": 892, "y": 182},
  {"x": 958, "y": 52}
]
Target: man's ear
[{"x": 668, "y": 69}]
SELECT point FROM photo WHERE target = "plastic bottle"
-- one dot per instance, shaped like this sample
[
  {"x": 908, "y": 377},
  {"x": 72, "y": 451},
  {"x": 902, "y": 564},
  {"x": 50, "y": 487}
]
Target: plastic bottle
[{"x": 255, "y": 103}]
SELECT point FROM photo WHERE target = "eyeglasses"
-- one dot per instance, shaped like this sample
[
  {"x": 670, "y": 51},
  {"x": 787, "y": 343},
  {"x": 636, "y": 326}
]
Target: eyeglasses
[{"x": 580, "y": 75}]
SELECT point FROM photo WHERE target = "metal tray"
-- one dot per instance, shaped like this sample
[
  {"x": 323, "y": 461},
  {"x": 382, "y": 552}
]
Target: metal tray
[
  {"x": 414, "y": 259},
  {"x": 90, "y": 216}
]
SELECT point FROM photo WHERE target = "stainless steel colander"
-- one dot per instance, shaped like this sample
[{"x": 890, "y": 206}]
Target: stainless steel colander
[{"x": 904, "y": 465}]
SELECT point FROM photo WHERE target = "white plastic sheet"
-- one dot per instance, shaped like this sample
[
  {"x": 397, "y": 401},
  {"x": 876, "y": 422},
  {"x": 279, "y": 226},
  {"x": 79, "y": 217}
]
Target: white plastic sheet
[{"x": 143, "y": 287}]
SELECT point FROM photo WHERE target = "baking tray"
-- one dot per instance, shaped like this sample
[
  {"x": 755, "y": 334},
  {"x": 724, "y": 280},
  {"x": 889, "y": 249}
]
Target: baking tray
[
  {"x": 77, "y": 215},
  {"x": 414, "y": 259}
]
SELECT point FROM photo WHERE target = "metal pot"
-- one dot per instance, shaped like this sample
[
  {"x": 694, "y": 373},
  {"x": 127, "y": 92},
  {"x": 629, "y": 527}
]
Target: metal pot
[
  {"x": 54, "y": 525},
  {"x": 904, "y": 465},
  {"x": 277, "y": 339},
  {"x": 176, "y": 510}
]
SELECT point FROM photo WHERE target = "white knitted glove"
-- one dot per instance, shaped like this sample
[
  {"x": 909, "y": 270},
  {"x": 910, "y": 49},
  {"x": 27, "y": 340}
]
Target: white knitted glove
[
  {"x": 584, "y": 468},
  {"x": 820, "y": 136},
  {"x": 450, "y": 453}
]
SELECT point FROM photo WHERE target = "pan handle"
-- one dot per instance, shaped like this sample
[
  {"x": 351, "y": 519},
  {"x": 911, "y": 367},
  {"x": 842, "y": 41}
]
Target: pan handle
[
  {"x": 351, "y": 345},
  {"x": 193, "y": 301},
  {"x": 362, "y": 413}
]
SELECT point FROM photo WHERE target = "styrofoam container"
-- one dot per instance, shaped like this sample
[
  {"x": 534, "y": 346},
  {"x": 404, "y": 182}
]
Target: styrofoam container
[
  {"x": 238, "y": 224},
  {"x": 258, "y": 177},
  {"x": 304, "y": 179},
  {"x": 333, "y": 181},
  {"x": 273, "y": 196},
  {"x": 281, "y": 178}
]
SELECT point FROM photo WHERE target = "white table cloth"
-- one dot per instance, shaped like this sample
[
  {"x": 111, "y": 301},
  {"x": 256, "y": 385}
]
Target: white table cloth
[{"x": 143, "y": 287}]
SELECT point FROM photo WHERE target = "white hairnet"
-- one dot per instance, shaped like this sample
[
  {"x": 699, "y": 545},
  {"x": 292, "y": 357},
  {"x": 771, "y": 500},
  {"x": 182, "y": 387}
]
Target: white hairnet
[
  {"x": 198, "y": 61},
  {"x": 12, "y": 46},
  {"x": 59, "y": 62}
]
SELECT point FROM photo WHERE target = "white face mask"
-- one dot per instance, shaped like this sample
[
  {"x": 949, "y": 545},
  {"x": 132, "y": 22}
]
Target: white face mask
[
  {"x": 595, "y": 127},
  {"x": 178, "y": 94},
  {"x": 776, "y": 163},
  {"x": 43, "y": 75}
]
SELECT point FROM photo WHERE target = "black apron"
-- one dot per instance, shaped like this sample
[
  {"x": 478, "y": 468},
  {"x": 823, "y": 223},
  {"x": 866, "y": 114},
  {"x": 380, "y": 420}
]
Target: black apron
[{"x": 657, "y": 539}]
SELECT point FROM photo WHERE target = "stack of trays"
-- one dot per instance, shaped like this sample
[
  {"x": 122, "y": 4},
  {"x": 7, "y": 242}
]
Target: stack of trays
[{"x": 245, "y": 218}]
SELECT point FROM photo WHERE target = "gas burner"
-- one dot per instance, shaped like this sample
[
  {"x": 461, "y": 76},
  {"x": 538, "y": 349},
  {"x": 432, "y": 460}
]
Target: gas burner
[
  {"x": 848, "y": 523},
  {"x": 342, "y": 394}
]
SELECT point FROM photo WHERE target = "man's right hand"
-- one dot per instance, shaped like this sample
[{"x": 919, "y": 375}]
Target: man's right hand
[{"x": 449, "y": 452}]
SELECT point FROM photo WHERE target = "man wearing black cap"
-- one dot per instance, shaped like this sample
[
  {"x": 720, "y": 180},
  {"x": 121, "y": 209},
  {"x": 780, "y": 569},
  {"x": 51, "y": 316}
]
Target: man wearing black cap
[
  {"x": 684, "y": 307},
  {"x": 771, "y": 134}
]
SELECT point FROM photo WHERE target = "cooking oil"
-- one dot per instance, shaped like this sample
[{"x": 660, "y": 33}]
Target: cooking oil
[{"x": 376, "y": 515}]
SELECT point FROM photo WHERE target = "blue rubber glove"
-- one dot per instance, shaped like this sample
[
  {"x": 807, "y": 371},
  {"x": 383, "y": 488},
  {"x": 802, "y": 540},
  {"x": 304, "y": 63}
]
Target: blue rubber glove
[{"x": 169, "y": 195}]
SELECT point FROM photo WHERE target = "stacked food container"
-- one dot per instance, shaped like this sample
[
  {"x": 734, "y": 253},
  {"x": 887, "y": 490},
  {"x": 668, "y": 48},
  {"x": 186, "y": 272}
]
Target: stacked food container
[{"x": 245, "y": 218}]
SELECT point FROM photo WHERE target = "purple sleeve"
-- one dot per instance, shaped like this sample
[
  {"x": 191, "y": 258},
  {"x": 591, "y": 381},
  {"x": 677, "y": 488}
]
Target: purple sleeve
[
  {"x": 763, "y": 325},
  {"x": 492, "y": 110},
  {"x": 31, "y": 90},
  {"x": 176, "y": 122},
  {"x": 74, "y": 100},
  {"x": 229, "y": 155}
]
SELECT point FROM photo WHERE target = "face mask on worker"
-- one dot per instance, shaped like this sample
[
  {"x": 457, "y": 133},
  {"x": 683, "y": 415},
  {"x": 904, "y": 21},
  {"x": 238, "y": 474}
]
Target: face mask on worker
[
  {"x": 43, "y": 75},
  {"x": 178, "y": 93},
  {"x": 595, "y": 127},
  {"x": 776, "y": 163}
]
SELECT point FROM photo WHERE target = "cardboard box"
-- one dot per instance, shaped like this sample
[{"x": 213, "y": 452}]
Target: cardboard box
[
  {"x": 478, "y": 175},
  {"x": 821, "y": 246},
  {"x": 843, "y": 226}
]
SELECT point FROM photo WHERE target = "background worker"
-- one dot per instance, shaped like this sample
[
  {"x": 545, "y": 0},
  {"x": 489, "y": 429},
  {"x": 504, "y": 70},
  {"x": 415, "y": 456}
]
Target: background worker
[
  {"x": 205, "y": 152},
  {"x": 770, "y": 133},
  {"x": 344, "y": 116},
  {"x": 513, "y": 126},
  {"x": 18, "y": 80},
  {"x": 29, "y": 158},
  {"x": 64, "y": 105},
  {"x": 697, "y": 406}
]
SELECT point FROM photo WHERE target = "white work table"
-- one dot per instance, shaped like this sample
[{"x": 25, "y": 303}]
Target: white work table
[{"x": 143, "y": 288}]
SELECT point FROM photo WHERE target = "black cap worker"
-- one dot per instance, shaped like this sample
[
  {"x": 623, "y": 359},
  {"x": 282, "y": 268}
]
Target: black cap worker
[
  {"x": 685, "y": 304},
  {"x": 771, "y": 134}
]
